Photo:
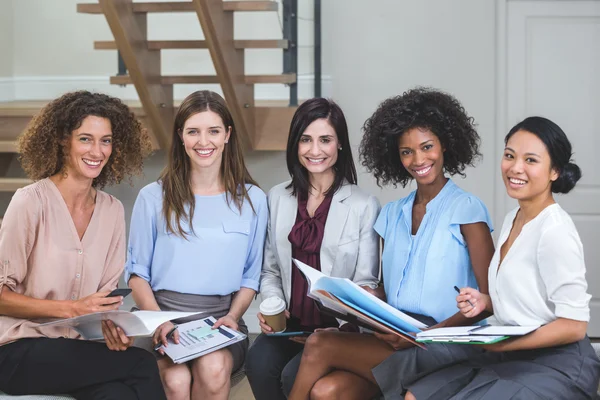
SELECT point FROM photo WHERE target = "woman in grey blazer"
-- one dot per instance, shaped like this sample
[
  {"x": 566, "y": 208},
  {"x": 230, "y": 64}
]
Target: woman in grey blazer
[{"x": 321, "y": 218}]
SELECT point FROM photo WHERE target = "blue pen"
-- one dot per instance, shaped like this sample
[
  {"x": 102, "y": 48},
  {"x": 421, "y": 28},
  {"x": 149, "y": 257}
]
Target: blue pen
[
  {"x": 171, "y": 332},
  {"x": 479, "y": 328},
  {"x": 468, "y": 301}
]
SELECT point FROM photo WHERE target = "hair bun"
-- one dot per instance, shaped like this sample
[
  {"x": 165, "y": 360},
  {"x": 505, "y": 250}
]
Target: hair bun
[{"x": 569, "y": 176}]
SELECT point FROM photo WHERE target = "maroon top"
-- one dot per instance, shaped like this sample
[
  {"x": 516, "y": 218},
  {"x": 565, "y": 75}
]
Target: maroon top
[{"x": 306, "y": 237}]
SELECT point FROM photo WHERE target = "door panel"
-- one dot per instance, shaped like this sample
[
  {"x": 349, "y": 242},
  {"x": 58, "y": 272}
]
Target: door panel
[{"x": 553, "y": 70}]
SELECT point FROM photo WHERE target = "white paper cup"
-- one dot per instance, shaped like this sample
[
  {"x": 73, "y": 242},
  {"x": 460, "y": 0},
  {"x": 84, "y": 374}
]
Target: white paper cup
[{"x": 273, "y": 311}]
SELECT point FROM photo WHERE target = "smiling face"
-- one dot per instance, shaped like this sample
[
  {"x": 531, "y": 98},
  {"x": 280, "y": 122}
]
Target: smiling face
[
  {"x": 204, "y": 137},
  {"x": 422, "y": 155},
  {"x": 526, "y": 167},
  {"x": 318, "y": 147},
  {"x": 90, "y": 148}
]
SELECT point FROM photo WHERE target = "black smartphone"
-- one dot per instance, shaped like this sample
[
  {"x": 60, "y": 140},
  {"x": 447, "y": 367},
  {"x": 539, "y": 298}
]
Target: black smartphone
[{"x": 119, "y": 292}]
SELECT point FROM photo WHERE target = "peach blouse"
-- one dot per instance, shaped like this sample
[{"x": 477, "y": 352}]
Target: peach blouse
[{"x": 41, "y": 255}]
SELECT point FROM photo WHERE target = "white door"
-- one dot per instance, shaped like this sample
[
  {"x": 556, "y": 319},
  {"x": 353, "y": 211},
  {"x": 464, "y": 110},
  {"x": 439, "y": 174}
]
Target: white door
[{"x": 551, "y": 56}]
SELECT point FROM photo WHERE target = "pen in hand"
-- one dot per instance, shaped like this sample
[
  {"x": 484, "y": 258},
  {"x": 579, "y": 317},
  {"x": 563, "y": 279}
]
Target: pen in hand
[
  {"x": 171, "y": 332},
  {"x": 468, "y": 301}
]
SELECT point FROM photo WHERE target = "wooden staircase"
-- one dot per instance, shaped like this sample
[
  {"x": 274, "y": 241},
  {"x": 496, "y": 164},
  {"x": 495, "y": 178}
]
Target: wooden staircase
[
  {"x": 13, "y": 120},
  {"x": 260, "y": 127}
]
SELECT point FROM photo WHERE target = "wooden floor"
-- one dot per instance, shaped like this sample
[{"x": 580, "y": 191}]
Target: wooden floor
[{"x": 242, "y": 391}]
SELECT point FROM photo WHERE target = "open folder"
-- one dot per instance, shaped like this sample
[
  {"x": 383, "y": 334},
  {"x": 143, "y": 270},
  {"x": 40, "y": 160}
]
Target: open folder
[
  {"x": 486, "y": 334},
  {"x": 137, "y": 323},
  {"x": 344, "y": 299}
]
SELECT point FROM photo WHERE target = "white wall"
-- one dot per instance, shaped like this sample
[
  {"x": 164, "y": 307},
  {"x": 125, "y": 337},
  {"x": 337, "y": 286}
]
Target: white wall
[
  {"x": 371, "y": 50},
  {"x": 53, "y": 51},
  {"x": 6, "y": 50},
  {"x": 6, "y": 38},
  {"x": 50, "y": 51},
  {"x": 380, "y": 48}
]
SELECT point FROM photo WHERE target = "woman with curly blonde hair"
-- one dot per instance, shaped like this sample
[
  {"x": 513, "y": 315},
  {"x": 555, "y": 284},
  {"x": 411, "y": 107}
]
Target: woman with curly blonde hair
[{"x": 62, "y": 250}]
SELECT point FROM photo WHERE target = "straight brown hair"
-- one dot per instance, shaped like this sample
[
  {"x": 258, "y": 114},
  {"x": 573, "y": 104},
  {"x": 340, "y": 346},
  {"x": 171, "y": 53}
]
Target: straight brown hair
[{"x": 175, "y": 178}]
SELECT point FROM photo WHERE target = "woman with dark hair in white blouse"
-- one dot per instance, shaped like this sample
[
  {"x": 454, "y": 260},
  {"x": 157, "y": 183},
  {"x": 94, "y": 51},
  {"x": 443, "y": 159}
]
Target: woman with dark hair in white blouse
[{"x": 536, "y": 277}]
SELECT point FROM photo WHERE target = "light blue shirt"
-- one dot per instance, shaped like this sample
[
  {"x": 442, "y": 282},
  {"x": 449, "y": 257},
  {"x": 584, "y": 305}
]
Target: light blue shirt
[
  {"x": 420, "y": 271},
  {"x": 225, "y": 254}
]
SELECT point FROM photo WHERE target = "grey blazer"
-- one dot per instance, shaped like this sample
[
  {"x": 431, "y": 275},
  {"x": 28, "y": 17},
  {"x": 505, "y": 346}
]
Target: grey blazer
[{"x": 350, "y": 247}]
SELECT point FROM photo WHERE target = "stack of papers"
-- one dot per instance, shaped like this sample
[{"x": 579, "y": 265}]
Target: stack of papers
[
  {"x": 197, "y": 338},
  {"x": 485, "y": 334}
]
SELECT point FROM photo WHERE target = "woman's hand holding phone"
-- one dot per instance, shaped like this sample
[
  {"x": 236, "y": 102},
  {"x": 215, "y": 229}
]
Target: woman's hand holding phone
[{"x": 95, "y": 303}]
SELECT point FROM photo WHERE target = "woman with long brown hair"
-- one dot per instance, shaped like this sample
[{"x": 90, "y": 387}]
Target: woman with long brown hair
[{"x": 196, "y": 241}]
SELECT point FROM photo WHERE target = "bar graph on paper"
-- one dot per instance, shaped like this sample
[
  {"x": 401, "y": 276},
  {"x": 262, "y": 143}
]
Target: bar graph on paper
[{"x": 197, "y": 338}]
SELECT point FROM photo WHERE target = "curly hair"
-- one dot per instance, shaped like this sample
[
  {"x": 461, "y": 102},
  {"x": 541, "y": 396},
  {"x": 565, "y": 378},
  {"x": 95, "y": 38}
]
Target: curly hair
[
  {"x": 422, "y": 108},
  {"x": 43, "y": 146}
]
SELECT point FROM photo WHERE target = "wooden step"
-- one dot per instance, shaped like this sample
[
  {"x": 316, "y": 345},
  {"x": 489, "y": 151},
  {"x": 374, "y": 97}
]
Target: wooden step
[
  {"x": 285, "y": 79},
  {"x": 184, "y": 6},
  {"x": 207, "y": 79},
  {"x": 8, "y": 146},
  {"x": 11, "y": 126},
  {"x": 199, "y": 44},
  {"x": 250, "y": 6},
  {"x": 12, "y": 184},
  {"x": 271, "y": 127},
  {"x": 271, "y": 120},
  {"x": 15, "y": 115}
]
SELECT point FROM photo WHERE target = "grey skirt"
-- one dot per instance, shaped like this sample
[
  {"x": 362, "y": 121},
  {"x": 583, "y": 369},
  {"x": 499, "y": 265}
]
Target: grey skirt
[
  {"x": 569, "y": 372},
  {"x": 215, "y": 305},
  {"x": 407, "y": 365}
]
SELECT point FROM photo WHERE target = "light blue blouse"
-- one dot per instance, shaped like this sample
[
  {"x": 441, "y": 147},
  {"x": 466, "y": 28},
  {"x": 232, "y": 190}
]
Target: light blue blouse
[
  {"x": 420, "y": 271},
  {"x": 226, "y": 252}
]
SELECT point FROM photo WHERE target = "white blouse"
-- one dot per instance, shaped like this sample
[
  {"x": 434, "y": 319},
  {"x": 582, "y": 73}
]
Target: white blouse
[{"x": 542, "y": 277}]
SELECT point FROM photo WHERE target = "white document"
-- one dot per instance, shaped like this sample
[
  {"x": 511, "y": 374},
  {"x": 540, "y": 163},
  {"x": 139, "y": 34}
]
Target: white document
[
  {"x": 463, "y": 339},
  {"x": 197, "y": 338},
  {"x": 136, "y": 323},
  {"x": 357, "y": 298},
  {"x": 464, "y": 331}
]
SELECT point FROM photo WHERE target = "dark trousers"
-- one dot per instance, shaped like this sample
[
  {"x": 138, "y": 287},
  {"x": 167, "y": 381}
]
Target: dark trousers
[
  {"x": 83, "y": 369},
  {"x": 271, "y": 366}
]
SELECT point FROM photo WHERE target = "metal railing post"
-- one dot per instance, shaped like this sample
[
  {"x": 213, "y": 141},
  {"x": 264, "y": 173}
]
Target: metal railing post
[
  {"x": 317, "y": 48},
  {"x": 290, "y": 55}
]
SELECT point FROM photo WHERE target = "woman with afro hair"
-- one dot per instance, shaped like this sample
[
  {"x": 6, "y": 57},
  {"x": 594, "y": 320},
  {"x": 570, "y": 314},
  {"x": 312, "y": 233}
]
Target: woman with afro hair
[
  {"x": 62, "y": 251},
  {"x": 434, "y": 239}
]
